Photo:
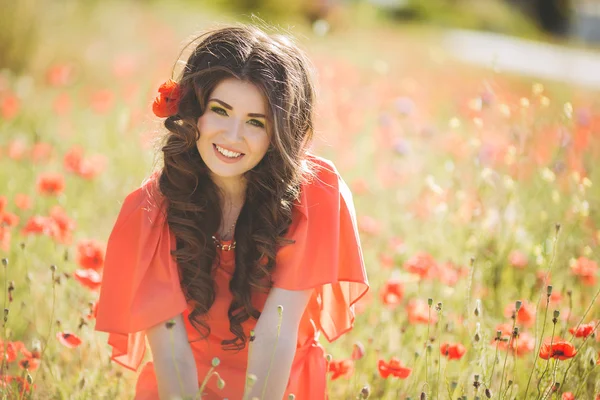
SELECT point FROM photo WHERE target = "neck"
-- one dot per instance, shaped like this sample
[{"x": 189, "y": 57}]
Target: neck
[{"x": 232, "y": 190}]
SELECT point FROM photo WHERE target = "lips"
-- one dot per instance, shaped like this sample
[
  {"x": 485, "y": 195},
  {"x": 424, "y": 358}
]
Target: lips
[{"x": 227, "y": 148}]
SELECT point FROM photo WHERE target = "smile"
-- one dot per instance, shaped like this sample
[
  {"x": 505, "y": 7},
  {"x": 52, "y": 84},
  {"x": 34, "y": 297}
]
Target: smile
[{"x": 227, "y": 156}]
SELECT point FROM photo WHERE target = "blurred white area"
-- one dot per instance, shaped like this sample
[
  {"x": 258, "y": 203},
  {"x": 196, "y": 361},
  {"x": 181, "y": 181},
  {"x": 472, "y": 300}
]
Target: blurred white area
[{"x": 554, "y": 62}]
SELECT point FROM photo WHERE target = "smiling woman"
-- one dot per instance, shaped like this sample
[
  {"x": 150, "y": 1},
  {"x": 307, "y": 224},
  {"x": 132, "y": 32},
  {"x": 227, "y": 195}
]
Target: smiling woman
[
  {"x": 234, "y": 136},
  {"x": 241, "y": 230}
]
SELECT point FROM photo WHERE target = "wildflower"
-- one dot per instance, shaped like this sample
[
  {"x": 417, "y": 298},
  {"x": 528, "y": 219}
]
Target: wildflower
[
  {"x": 422, "y": 264},
  {"x": 341, "y": 368},
  {"x": 88, "y": 278},
  {"x": 392, "y": 293},
  {"x": 90, "y": 254},
  {"x": 586, "y": 269},
  {"x": 454, "y": 351},
  {"x": 358, "y": 351},
  {"x": 418, "y": 312},
  {"x": 50, "y": 183},
  {"x": 23, "y": 201},
  {"x": 68, "y": 339},
  {"x": 525, "y": 315},
  {"x": 557, "y": 348},
  {"x": 394, "y": 367},
  {"x": 167, "y": 102},
  {"x": 568, "y": 396},
  {"x": 39, "y": 225},
  {"x": 583, "y": 330},
  {"x": 517, "y": 259}
]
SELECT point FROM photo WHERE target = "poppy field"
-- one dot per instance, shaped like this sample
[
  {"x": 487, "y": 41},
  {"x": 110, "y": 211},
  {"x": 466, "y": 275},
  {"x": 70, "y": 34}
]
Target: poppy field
[{"x": 477, "y": 199}]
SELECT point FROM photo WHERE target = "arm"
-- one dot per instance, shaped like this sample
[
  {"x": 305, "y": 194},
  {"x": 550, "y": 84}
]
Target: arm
[
  {"x": 271, "y": 355},
  {"x": 174, "y": 363}
]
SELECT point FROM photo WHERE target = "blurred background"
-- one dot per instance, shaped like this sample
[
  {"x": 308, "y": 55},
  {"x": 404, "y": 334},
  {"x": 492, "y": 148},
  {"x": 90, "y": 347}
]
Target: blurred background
[{"x": 468, "y": 131}]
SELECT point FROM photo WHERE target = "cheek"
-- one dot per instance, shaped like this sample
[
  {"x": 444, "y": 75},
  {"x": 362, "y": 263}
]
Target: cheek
[{"x": 260, "y": 142}]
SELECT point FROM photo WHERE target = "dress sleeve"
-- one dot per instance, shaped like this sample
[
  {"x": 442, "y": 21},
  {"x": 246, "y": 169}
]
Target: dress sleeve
[
  {"x": 327, "y": 254},
  {"x": 140, "y": 282}
]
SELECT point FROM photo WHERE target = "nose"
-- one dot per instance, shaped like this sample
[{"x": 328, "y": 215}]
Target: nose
[{"x": 234, "y": 132}]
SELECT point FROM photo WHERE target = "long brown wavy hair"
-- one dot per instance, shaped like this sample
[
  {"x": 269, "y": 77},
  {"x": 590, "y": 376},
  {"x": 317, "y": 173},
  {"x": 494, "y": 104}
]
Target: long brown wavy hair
[{"x": 282, "y": 72}]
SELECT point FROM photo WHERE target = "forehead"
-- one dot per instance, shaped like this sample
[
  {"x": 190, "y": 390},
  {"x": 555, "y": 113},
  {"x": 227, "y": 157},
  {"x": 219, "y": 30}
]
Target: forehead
[{"x": 241, "y": 95}]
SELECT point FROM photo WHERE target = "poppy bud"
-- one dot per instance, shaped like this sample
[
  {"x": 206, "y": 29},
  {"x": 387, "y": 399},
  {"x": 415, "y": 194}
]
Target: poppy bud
[
  {"x": 365, "y": 392},
  {"x": 498, "y": 335},
  {"x": 439, "y": 307},
  {"x": 518, "y": 305},
  {"x": 549, "y": 290},
  {"x": 430, "y": 301},
  {"x": 556, "y": 386},
  {"x": 82, "y": 383},
  {"x": 423, "y": 396},
  {"x": 53, "y": 268},
  {"x": 170, "y": 324},
  {"x": 477, "y": 310},
  {"x": 5, "y": 262},
  {"x": 488, "y": 393},
  {"x": 215, "y": 362},
  {"x": 252, "y": 335},
  {"x": 291, "y": 396},
  {"x": 29, "y": 378},
  {"x": 220, "y": 383},
  {"x": 329, "y": 357},
  {"x": 557, "y": 228},
  {"x": 280, "y": 310}
]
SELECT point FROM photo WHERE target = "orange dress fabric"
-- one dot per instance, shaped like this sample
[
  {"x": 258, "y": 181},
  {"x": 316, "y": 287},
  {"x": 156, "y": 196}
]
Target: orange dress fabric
[{"x": 140, "y": 287}]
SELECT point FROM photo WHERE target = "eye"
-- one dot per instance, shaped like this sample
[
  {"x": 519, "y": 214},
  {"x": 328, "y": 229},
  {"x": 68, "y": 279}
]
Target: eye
[
  {"x": 256, "y": 123},
  {"x": 218, "y": 110}
]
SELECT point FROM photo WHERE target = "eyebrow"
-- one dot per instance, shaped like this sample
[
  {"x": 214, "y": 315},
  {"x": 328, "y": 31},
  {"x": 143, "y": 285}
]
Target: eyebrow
[{"x": 227, "y": 106}]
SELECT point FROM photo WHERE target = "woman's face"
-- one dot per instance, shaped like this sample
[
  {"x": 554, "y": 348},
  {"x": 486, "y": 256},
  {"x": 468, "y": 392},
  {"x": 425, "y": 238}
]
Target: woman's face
[{"x": 233, "y": 130}]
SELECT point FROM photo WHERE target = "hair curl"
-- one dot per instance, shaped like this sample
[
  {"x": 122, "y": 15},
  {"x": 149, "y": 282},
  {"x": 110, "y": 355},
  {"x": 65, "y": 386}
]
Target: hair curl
[{"x": 282, "y": 72}]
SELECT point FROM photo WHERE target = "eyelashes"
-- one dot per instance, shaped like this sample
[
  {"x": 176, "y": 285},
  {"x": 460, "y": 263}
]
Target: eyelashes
[{"x": 223, "y": 112}]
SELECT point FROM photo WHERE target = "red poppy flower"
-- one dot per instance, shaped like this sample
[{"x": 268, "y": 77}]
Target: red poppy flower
[
  {"x": 568, "y": 396},
  {"x": 584, "y": 330},
  {"x": 38, "y": 225},
  {"x": 586, "y": 269},
  {"x": 29, "y": 363},
  {"x": 68, "y": 339},
  {"x": 8, "y": 219},
  {"x": 9, "y": 106},
  {"x": 526, "y": 314},
  {"x": 559, "y": 348},
  {"x": 418, "y": 312},
  {"x": 167, "y": 102},
  {"x": 23, "y": 201},
  {"x": 392, "y": 293},
  {"x": 16, "y": 149},
  {"x": 422, "y": 264},
  {"x": 51, "y": 183},
  {"x": 90, "y": 254},
  {"x": 518, "y": 259},
  {"x": 41, "y": 152},
  {"x": 4, "y": 238},
  {"x": 65, "y": 224},
  {"x": 88, "y": 278},
  {"x": 341, "y": 368},
  {"x": 358, "y": 351},
  {"x": 394, "y": 368},
  {"x": 454, "y": 351}
]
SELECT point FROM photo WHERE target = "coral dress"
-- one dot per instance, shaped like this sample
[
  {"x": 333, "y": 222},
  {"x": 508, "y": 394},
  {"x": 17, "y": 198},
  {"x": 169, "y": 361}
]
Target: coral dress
[{"x": 141, "y": 288}]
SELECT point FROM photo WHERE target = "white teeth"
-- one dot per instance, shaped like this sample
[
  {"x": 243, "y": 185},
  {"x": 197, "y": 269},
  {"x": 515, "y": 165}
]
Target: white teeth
[{"x": 227, "y": 153}]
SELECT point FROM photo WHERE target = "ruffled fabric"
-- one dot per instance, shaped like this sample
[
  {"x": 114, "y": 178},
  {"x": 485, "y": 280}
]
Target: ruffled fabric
[
  {"x": 326, "y": 257},
  {"x": 327, "y": 254},
  {"x": 140, "y": 282}
]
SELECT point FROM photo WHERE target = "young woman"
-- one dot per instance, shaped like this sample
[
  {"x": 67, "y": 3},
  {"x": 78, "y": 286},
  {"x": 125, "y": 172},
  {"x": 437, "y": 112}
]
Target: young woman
[{"x": 240, "y": 230}]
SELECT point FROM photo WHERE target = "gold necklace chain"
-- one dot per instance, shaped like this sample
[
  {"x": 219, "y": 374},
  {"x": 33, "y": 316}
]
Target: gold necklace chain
[{"x": 225, "y": 247}]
